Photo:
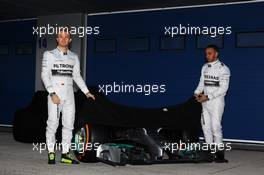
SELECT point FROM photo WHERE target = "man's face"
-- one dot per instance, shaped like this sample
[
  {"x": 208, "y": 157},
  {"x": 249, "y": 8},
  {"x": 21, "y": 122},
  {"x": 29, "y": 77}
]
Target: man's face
[
  {"x": 211, "y": 54},
  {"x": 63, "y": 39}
]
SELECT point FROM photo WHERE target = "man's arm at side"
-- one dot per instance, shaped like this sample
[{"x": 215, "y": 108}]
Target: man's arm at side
[
  {"x": 45, "y": 72},
  {"x": 78, "y": 78},
  {"x": 200, "y": 86}
]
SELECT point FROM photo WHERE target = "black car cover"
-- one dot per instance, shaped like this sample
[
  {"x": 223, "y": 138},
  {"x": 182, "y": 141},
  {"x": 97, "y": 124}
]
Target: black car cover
[{"x": 30, "y": 122}]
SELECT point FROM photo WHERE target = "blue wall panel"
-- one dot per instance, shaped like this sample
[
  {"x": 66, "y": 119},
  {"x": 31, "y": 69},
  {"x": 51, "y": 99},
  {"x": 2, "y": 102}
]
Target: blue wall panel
[
  {"x": 17, "y": 73},
  {"x": 180, "y": 70}
]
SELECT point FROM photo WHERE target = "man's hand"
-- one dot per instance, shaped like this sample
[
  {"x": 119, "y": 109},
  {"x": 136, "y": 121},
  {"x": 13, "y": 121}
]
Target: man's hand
[
  {"x": 55, "y": 99},
  {"x": 201, "y": 98},
  {"x": 196, "y": 96},
  {"x": 89, "y": 95}
]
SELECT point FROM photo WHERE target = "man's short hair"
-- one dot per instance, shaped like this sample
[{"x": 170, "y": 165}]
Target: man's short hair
[{"x": 212, "y": 46}]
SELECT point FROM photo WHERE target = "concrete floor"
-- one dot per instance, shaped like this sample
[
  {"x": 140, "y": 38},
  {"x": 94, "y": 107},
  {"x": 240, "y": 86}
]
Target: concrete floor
[{"x": 19, "y": 159}]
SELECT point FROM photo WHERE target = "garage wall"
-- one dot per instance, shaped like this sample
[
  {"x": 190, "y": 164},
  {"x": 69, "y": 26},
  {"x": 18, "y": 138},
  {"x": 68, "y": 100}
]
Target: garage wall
[
  {"x": 179, "y": 70},
  {"x": 17, "y": 72}
]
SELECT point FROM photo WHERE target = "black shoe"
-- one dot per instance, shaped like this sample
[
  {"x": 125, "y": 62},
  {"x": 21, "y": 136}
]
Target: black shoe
[
  {"x": 220, "y": 157},
  {"x": 211, "y": 157},
  {"x": 68, "y": 159},
  {"x": 51, "y": 158}
]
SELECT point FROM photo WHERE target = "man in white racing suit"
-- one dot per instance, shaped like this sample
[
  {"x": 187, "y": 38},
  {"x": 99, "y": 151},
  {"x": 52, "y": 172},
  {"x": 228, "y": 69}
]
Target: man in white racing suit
[
  {"x": 60, "y": 67},
  {"x": 211, "y": 91}
]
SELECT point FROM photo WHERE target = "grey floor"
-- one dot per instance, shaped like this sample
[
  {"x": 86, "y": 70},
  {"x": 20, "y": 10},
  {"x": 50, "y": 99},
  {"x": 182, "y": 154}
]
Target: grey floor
[{"x": 19, "y": 159}]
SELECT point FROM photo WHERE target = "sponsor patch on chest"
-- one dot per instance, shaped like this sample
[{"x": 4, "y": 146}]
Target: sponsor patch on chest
[
  {"x": 63, "y": 66},
  {"x": 63, "y": 73},
  {"x": 211, "y": 80},
  {"x": 63, "y": 70},
  {"x": 211, "y": 77}
]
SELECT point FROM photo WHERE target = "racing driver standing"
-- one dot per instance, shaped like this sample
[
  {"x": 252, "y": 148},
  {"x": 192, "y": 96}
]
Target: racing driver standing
[
  {"x": 211, "y": 91},
  {"x": 60, "y": 67}
]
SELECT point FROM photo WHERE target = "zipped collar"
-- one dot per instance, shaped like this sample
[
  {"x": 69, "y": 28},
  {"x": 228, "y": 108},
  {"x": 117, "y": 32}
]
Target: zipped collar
[
  {"x": 63, "y": 53},
  {"x": 213, "y": 63}
]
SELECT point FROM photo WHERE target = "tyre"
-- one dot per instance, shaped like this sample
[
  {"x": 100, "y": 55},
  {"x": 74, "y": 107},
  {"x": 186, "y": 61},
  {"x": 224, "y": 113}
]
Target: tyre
[{"x": 86, "y": 141}]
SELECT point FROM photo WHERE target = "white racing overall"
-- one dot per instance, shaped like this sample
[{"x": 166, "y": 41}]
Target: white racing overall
[
  {"x": 58, "y": 72},
  {"x": 214, "y": 83}
]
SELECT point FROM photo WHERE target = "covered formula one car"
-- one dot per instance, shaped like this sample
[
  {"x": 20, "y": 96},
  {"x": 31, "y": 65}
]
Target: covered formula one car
[{"x": 136, "y": 135}]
